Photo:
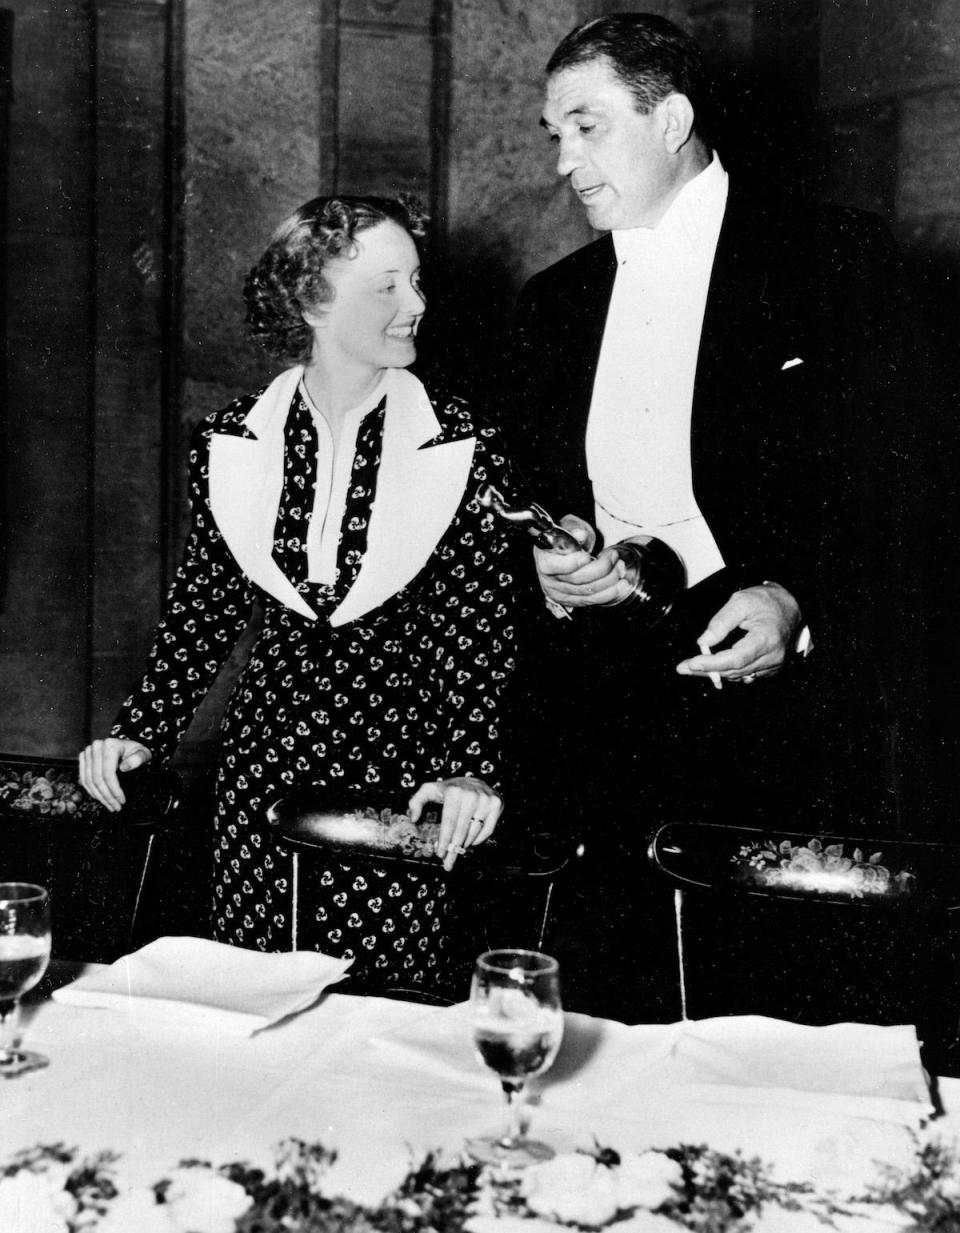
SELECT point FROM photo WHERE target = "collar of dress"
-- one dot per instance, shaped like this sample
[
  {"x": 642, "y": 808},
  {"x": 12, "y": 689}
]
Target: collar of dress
[{"x": 418, "y": 493}]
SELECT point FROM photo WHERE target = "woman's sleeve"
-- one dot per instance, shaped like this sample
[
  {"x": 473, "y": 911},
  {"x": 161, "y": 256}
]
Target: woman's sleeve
[
  {"x": 208, "y": 607},
  {"x": 479, "y": 633}
]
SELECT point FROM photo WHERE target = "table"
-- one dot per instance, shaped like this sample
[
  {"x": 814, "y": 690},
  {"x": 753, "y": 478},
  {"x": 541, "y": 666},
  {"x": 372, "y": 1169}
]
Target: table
[{"x": 385, "y": 1081}]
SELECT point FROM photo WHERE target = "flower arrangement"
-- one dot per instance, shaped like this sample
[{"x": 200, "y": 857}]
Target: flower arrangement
[
  {"x": 929, "y": 1192},
  {"x": 397, "y": 832},
  {"x": 50, "y": 792},
  {"x": 685, "y": 1187},
  {"x": 50, "y": 1189},
  {"x": 820, "y": 868},
  {"x": 380, "y": 831}
]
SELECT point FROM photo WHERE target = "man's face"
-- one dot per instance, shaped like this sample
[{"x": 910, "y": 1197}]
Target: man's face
[{"x": 615, "y": 158}]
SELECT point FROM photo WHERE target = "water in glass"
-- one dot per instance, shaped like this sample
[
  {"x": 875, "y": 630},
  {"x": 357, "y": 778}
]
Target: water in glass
[
  {"x": 24, "y": 955},
  {"x": 517, "y": 1028}
]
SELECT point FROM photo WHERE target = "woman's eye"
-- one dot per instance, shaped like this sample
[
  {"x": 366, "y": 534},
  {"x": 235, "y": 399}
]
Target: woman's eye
[
  {"x": 390, "y": 287},
  {"x": 586, "y": 128}
]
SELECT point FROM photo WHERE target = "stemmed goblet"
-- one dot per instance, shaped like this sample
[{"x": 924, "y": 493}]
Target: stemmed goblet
[
  {"x": 517, "y": 1029},
  {"x": 24, "y": 955}
]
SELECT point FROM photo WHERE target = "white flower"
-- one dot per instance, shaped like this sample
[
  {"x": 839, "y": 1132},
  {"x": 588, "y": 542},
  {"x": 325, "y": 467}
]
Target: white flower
[
  {"x": 950, "y": 1185},
  {"x": 29, "y": 1204},
  {"x": 367, "y": 1182},
  {"x": 136, "y": 1208},
  {"x": 647, "y": 1222},
  {"x": 513, "y": 1224},
  {"x": 199, "y": 1199},
  {"x": 572, "y": 1188},
  {"x": 647, "y": 1180},
  {"x": 55, "y": 1174}
]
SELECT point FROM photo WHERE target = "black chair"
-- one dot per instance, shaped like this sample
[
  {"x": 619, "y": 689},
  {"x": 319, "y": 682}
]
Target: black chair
[
  {"x": 816, "y": 928},
  {"x": 309, "y": 832},
  {"x": 93, "y": 862}
]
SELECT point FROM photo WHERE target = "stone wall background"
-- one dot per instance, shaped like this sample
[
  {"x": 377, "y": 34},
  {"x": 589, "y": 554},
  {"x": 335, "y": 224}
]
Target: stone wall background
[{"x": 153, "y": 146}]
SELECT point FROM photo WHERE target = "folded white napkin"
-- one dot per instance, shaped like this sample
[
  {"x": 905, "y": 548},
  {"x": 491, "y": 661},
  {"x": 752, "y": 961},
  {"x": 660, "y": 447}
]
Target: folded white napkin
[
  {"x": 182, "y": 980},
  {"x": 857, "y": 1068},
  {"x": 849, "y": 1069}
]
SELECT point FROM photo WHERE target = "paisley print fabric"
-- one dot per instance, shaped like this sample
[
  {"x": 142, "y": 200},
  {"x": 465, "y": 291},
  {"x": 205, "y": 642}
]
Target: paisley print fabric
[
  {"x": 391, "y": 917},
  {"x": 360, "y": 494},
  {"x": 409, "y": 692},
  {"x": 299, "y": 485}
]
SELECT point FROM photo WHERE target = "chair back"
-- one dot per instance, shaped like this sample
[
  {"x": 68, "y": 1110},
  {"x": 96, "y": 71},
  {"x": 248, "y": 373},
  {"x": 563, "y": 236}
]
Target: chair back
[
  {"x": 858, "y": 871},
  {"x": 374, "y": 881},
  {"x": 93, "y": 862},
  {"x": 814, "y": 927}
]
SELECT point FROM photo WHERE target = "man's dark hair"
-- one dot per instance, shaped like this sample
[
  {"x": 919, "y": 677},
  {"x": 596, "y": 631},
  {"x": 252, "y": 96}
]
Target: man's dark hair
[{"x": 650, "y": 55}]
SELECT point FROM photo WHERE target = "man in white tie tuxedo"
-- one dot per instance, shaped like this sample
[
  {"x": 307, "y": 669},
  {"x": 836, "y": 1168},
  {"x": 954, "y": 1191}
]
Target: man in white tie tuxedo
[{"x": 724, "y": 369}]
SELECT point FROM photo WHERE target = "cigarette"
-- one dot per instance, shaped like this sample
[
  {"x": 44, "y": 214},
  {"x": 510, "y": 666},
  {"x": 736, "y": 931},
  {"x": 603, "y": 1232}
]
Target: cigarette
[{"x": 714, "y": 676}]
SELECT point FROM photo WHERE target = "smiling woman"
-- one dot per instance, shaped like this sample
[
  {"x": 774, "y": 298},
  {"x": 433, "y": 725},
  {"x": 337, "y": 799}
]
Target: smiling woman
[
  {"x": 372, "y": 320},
  {"x": 341, "y": 265},
  {"x": 343, "y": 498}
]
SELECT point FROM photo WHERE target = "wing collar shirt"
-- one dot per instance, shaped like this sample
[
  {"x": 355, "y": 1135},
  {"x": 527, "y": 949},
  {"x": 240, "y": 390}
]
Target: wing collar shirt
[{"x": 638, "y": 430}]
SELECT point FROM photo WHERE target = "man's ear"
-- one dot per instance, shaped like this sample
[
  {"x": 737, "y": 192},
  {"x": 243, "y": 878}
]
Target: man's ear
[{"x": 677, "y": 118}]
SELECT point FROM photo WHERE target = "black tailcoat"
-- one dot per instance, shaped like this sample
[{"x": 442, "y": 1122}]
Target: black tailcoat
[{"x": 784, "y": 455}]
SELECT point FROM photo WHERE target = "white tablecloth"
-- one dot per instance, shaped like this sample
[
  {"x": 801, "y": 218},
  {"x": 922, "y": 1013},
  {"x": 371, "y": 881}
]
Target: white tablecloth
[{"x": 383, "y": 1081}]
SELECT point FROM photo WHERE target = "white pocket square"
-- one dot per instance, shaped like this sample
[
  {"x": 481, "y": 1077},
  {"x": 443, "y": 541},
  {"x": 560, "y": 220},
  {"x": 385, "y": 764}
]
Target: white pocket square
[{"x": 791, "y": 363}]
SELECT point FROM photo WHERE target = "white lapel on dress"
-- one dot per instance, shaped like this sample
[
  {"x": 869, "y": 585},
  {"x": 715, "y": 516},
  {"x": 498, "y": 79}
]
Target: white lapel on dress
[
  {"x": 246, "y": 483},
  {"x": 418, "y": 493}
]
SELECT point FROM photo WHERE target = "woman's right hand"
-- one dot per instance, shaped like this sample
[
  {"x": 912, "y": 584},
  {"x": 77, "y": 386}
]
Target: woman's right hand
[{"x": 100, "y": 762}]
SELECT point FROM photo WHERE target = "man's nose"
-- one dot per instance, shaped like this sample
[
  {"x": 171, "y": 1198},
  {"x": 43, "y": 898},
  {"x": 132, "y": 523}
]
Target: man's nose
[{"x": 568, "y": 156}]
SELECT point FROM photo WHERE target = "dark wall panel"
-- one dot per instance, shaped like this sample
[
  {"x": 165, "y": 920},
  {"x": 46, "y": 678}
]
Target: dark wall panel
[
  {"x": 43, "y": 624},
  {"x": 131, "y": 169},
  {"x": 385, "y": 111}
]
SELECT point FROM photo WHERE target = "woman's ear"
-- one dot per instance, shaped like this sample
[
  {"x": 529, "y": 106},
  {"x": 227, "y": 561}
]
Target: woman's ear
[
  {"x": 677, "y": 115},
  {"x": 314, "y": 319}
]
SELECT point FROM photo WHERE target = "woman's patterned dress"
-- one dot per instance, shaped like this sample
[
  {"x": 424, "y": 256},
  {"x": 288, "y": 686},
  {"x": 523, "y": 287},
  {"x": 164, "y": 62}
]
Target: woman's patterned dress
[{"x": 409, "y": 692}]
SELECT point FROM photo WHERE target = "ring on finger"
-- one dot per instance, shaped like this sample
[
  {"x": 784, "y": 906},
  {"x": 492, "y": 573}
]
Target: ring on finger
[
  {"x": 455, "y": 847},
  {"x": 749, "y": 678}
]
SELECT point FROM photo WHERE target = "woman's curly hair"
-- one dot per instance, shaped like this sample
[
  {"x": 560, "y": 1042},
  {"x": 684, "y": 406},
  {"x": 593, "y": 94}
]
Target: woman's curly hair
[{"x": 288, "y": 279}]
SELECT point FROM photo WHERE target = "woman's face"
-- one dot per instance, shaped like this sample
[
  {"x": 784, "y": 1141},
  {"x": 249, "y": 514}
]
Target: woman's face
[{"x": 371, "y": 322}]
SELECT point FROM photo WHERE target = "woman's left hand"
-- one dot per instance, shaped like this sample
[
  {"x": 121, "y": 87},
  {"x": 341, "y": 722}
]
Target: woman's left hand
[{"x": 469, "y": 814}]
